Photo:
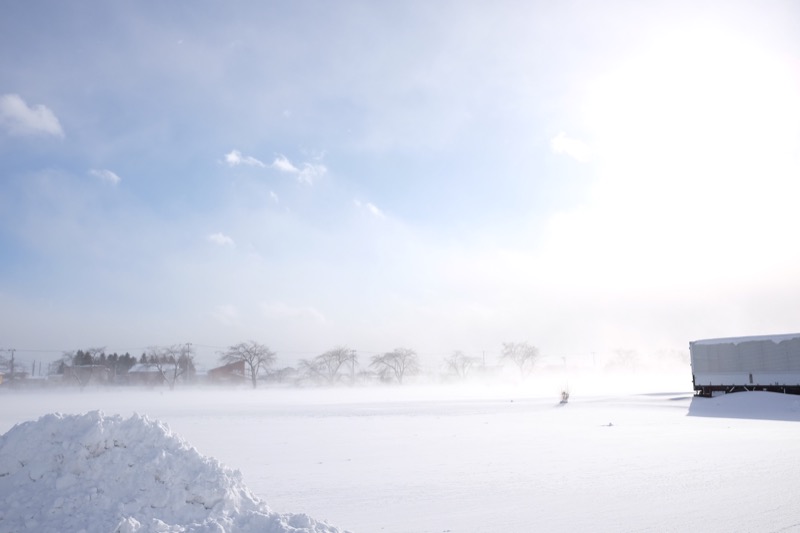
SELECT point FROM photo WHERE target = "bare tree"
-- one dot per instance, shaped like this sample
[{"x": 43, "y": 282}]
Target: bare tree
[
  {"x": 396, "y": 364},
  {"x": 521, "y": 354},
  {"x": 460, "y": 364},
  {"x": 624, "y": 359},
  {"x": 326, "y": 368},
  {"x": 307, "y": 370},
  {"x": 172, "y": 362},
  {"x": 352, "y": 359},
  {"x": 256, "y": 356},
  {"x": 281, "y": 375}
]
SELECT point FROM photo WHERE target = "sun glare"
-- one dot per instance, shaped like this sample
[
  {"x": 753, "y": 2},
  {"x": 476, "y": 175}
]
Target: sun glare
[
  {"x": 694, "y": 141},
  {"x": 698, "y": 91}
]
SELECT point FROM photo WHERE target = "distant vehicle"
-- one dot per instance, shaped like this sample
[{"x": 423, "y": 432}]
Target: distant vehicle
[{"x": 763, "y": 363}]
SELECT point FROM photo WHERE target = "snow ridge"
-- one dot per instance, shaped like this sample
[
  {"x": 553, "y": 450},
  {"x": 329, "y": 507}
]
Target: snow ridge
[{"x": 95, "y": 473}]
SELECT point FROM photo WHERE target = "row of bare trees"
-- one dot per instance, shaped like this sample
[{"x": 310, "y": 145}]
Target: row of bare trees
[
  {"x": 338, "y": 365},
  {"x": 175, "y": 363},
  {"x": 341, "y": 364},
  {"x": 521, "y": 354}
]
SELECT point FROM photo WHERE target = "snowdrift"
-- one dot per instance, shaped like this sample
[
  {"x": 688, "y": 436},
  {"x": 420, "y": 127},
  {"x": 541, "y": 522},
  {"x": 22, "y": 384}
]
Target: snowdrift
[
  {"x": 106, "y": 474},
  {"x": 754, "y": 404}
]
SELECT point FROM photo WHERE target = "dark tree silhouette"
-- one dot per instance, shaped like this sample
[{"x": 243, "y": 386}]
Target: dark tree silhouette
[
  {"x": 522, "y": 354},
  {"x": 396, "y": 365},
  {"x": 327, "y": 367},
  {"x": 460, "y": 365},
  {"x": 172, "y": 362},
  {"x": 256, "y": 356}
]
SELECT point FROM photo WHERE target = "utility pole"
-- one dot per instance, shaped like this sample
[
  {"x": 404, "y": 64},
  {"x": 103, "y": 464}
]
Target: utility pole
[
  {"x": 12, "y": 350},
  {"x": 189, "y": 372}
]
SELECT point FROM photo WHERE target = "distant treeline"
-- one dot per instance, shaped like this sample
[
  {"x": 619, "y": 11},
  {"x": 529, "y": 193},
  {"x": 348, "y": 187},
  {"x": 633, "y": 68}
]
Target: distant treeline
[
  {"x": 117, "y": 364},
  {"x": 251, "y": 362}
]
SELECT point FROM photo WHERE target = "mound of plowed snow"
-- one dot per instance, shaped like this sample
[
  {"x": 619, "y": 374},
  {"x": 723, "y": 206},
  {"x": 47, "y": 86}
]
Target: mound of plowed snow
[
  {"x": 105, "y": 474},
  {"x": 752, "y": 404}
]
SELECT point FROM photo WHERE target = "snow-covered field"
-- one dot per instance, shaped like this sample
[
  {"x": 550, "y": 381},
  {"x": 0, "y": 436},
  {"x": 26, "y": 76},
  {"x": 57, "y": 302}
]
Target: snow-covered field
[{"x": 639, "y": 457}]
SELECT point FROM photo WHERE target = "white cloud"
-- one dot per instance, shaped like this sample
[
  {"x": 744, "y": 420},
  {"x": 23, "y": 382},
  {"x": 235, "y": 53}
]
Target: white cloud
[
  {"x": 284, "y": 165},
  {"x": 563, "y": 145},
  {"x": 373, "y": 209},
  {"x": 20, "y": 120},
  {"x": 311, "y": 172},
  {"x": 221, "y": 239},
  {"x": 274, "y": 196},
  {"x": 105, "y": 175},
  {"x": 308, "y": 173},
  {"x": 235, "y": 158}
]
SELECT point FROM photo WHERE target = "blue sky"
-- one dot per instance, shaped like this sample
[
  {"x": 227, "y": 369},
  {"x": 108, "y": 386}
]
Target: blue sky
[{"x": 439, "y": 175}]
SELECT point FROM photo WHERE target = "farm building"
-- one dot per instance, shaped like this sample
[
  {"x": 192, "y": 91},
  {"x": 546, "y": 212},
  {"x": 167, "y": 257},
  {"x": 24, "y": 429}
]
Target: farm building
[
  {"x": 235, "y": 372},
  {"x": 765, "y": 363},
  {"x": 84, "y": 374},
  {"x": 144, "y": 374}
]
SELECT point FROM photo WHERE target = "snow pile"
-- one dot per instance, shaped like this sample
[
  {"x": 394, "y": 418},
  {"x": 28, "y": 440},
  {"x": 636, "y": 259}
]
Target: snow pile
[
  {"x": 754, "y": 404},
  {"x": 95, "y": 473}
]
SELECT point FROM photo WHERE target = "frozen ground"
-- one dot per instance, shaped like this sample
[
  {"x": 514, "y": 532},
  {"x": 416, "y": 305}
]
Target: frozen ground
[{"x": 648, "y": 457}]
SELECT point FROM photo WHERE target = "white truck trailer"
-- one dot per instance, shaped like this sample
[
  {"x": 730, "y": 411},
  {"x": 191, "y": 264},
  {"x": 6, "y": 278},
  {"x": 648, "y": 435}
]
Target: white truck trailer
[{"x": 765, "y": 363}]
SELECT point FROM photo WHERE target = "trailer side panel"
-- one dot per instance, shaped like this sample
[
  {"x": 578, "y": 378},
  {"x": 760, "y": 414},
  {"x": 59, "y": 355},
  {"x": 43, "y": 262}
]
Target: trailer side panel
[{"x": 746, "y": 363}]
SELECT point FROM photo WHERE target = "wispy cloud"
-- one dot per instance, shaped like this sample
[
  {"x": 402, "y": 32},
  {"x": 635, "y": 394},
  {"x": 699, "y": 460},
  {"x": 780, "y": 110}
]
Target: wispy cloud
[
  {"x": 274, "y": 196},
  {"x": 283, "y": 164},
  {"x": 310, "y": 172},
  {"x": 105, "y": 175},
  {"x": 221, "y": 239},
  {"x": 18, "y": 119},
  {"x": 371, "y": 208},
  {"x": 235, "y": 158},
  {"x": 574, "y": 148},
  {"x": 307, "y": 173}
]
